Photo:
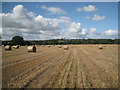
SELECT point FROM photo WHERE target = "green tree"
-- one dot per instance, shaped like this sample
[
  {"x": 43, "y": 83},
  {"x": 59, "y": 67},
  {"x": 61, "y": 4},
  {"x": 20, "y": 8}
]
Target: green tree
[{"x": 17, "y": 40}]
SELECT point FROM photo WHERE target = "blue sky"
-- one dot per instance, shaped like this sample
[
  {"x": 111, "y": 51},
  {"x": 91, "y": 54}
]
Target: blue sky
[{"x": 107, "y": 13}]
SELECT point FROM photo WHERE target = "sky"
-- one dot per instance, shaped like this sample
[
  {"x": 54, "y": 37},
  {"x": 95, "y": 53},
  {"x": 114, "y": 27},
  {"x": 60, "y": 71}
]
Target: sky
[{"x": 56, "y": 20}]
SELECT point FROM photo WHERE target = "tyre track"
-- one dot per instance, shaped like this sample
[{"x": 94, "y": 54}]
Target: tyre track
[
  {"x": 26, "y": 58},
  {"x": 98, "y": 75},
  {"x": 29, "y": 64},
  {"x": 77, "y": 67},
  {"x": 58, "y": 81},
  {"x": 44, "y": 79},
  {"x": 106, "y": 77},
  {"x": 83, "y": 80},
  {"x": 54, "y": 75},
  {"x": 66, "y": 74}
]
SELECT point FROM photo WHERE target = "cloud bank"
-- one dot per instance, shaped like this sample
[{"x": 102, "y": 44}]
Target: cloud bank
[{"x": 30, "y": 27}]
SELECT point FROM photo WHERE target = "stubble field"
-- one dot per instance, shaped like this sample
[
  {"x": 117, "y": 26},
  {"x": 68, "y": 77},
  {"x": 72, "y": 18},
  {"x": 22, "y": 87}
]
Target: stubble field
[{"x": 81, "y": 66}]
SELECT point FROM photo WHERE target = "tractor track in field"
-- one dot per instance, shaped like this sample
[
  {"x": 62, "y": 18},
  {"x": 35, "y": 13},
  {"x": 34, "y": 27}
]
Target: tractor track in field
[
  {"x": 23, "y": 72},
  {"x": 99, "y": 74},
  {"x": 44, "y": 80},
  {"x": 57, "y": 82},
  {"x": 64, "y": 73},
  {"x": 26, "y": 52},
  {"x": 25, "y": 59},
  {"x": 78, "y": 67},
  {"x": 17, "y": 53},
  {"x": 56, "y": 70}
]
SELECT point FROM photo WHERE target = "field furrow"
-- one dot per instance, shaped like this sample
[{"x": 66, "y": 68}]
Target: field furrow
[{"x": 81, "y": 66}]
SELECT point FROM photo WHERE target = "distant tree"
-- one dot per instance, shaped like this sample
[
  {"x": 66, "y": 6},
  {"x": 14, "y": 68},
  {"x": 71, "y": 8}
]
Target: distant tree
[
  {"x": 17, "y": 40},
  {"x": 27, "y": 43}
]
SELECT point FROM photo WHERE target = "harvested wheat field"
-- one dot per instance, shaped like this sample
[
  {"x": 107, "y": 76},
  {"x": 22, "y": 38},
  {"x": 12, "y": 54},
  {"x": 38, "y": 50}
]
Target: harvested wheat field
[{"x": 80, "y": 66}]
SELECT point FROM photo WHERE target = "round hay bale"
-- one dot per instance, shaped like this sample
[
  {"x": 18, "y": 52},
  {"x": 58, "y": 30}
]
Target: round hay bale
[
  {"x": 100, "y": 47},
  {"x": 48, "y": 45},
  {"x": 59, "y": 46},
  {"x": 103, "y": 45},
  {"x": 31, "y": 48},
  {"x": 43, "y": 45},
  {"x": 16, "y": 47},
  {"x": 65, "y": 47},
  {"x": 8, "y": 47}
]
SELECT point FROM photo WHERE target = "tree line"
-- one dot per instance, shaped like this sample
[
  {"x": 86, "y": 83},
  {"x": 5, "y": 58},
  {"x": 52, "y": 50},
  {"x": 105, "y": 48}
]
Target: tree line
[{"x": 17, "y": 40}]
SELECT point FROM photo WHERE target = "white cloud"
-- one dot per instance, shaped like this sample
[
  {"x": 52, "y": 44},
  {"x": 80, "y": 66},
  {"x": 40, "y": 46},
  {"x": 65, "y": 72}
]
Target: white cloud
[
  {"x": 87, "y": 17},
  {"x": 84, "y": 31},
  {"x": 74, "y": 27},
  {"x": 65, "y": 18},
  {"x": 30, "y": 27},
  {"x": 79, "y": 9},
  {"x": 108, "y": 34},
  {"x": 43, "y": 7},
  {"x": 20, "y": 22},
  {"x": 111, "y": 33},
  {"x": 93, "y": 29},
  {"x": 53, "y": 10},
  {"x": 74, "y": 31},
  {"x": 89, "y": 8},
  {"x": 98, "y": 18},
  {"x": 1, "y": 32}
]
